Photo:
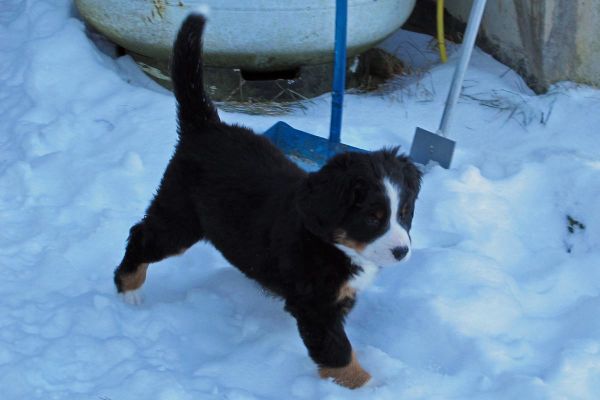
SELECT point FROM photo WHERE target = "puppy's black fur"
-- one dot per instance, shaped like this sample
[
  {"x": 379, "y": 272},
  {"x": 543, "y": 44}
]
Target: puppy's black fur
[{"x": 270, "y": 219}]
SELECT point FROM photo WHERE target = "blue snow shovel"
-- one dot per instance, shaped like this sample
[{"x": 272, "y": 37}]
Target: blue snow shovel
[{"x": 308, "y": 150}]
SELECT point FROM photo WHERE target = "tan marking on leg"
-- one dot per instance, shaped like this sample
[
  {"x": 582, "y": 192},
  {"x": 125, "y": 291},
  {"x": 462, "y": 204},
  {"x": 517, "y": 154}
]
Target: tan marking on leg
[
  {"x": 134, "y": 280},
  {"x": 346, "y": 291},
  {"x": 342, "y": 238},
  {"x": 351, "y": 376}
]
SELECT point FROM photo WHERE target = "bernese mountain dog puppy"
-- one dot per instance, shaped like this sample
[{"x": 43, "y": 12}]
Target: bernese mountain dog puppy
[{"x": 310, "y": 238}]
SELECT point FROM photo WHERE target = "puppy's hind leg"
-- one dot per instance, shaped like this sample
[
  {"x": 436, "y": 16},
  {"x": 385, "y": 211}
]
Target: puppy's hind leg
[{"x": 151, "y": 240}]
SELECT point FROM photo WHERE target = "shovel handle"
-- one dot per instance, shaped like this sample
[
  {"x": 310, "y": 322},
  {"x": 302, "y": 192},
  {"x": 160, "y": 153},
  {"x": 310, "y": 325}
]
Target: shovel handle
[
  {"x": 339, "y": 70},
  {"x": 459, "y": 73}
]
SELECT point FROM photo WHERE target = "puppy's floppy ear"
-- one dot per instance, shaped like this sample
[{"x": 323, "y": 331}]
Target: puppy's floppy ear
[
  {"x": 412, "y": 174},
  {"x": 324, "y": 199},
  {"x": 412, "y": 181},
  {"x": 359, "y": 191}
]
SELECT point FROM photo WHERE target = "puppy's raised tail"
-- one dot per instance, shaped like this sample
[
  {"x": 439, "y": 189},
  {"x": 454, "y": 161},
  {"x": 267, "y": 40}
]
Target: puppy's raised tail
[{"x": 193, "y": 104}]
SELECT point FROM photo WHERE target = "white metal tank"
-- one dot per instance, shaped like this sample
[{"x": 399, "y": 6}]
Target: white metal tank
[{"x": 258, "y": 35}]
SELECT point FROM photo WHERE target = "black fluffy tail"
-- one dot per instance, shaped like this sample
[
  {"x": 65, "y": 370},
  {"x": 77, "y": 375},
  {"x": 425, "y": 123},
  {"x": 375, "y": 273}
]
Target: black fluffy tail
[{"x": 186, "y": 74}]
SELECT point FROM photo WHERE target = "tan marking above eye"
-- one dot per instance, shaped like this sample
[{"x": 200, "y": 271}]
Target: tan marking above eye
[
  {"x": 379, "y": 214},
  {"x": 405, "y": 209}
]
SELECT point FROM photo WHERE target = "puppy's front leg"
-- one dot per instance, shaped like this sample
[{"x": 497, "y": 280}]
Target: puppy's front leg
[{"x": 322, "y": 331}]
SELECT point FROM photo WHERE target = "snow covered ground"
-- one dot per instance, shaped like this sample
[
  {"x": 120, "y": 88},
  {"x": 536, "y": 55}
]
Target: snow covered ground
[{"x": 500, "y": 300}]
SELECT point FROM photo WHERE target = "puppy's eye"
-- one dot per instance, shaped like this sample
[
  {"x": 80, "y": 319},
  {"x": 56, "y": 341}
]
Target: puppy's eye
[{"x": 374, "y": 219}]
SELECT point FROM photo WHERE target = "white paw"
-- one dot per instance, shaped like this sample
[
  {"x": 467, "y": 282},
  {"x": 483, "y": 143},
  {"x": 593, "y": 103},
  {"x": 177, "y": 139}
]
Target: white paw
[{"x": 133, "y": 297}]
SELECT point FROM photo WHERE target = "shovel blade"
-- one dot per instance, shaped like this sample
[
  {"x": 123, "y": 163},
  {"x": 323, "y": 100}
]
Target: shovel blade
[
  {"x": 309, "y": 151},
  {"x": 429, "y": 146}
]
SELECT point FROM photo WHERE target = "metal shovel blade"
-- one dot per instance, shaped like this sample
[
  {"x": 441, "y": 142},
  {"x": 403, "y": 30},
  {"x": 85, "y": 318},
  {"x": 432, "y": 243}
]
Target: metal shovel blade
[{"x": 428, "y": 146}]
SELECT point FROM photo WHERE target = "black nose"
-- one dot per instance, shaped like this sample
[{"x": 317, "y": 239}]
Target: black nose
[{"x": 399, "y": 252}]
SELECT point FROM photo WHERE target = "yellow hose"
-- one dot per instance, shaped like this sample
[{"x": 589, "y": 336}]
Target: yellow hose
[{"x": 440, "y": 30}]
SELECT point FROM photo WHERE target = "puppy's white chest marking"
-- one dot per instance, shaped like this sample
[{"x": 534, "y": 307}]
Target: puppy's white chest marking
[
  {"x": 365, "y": 278},
  {"x": 367, "y": 275}
]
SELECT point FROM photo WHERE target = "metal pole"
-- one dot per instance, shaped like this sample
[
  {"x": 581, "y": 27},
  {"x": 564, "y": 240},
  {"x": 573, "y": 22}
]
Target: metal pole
[
  {"x": 459, "y": 73},
  {"x": 339, "y": 70}
]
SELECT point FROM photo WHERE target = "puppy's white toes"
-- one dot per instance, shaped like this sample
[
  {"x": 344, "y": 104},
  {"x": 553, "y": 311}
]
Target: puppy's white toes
[{"x": 133, "y": 297}]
